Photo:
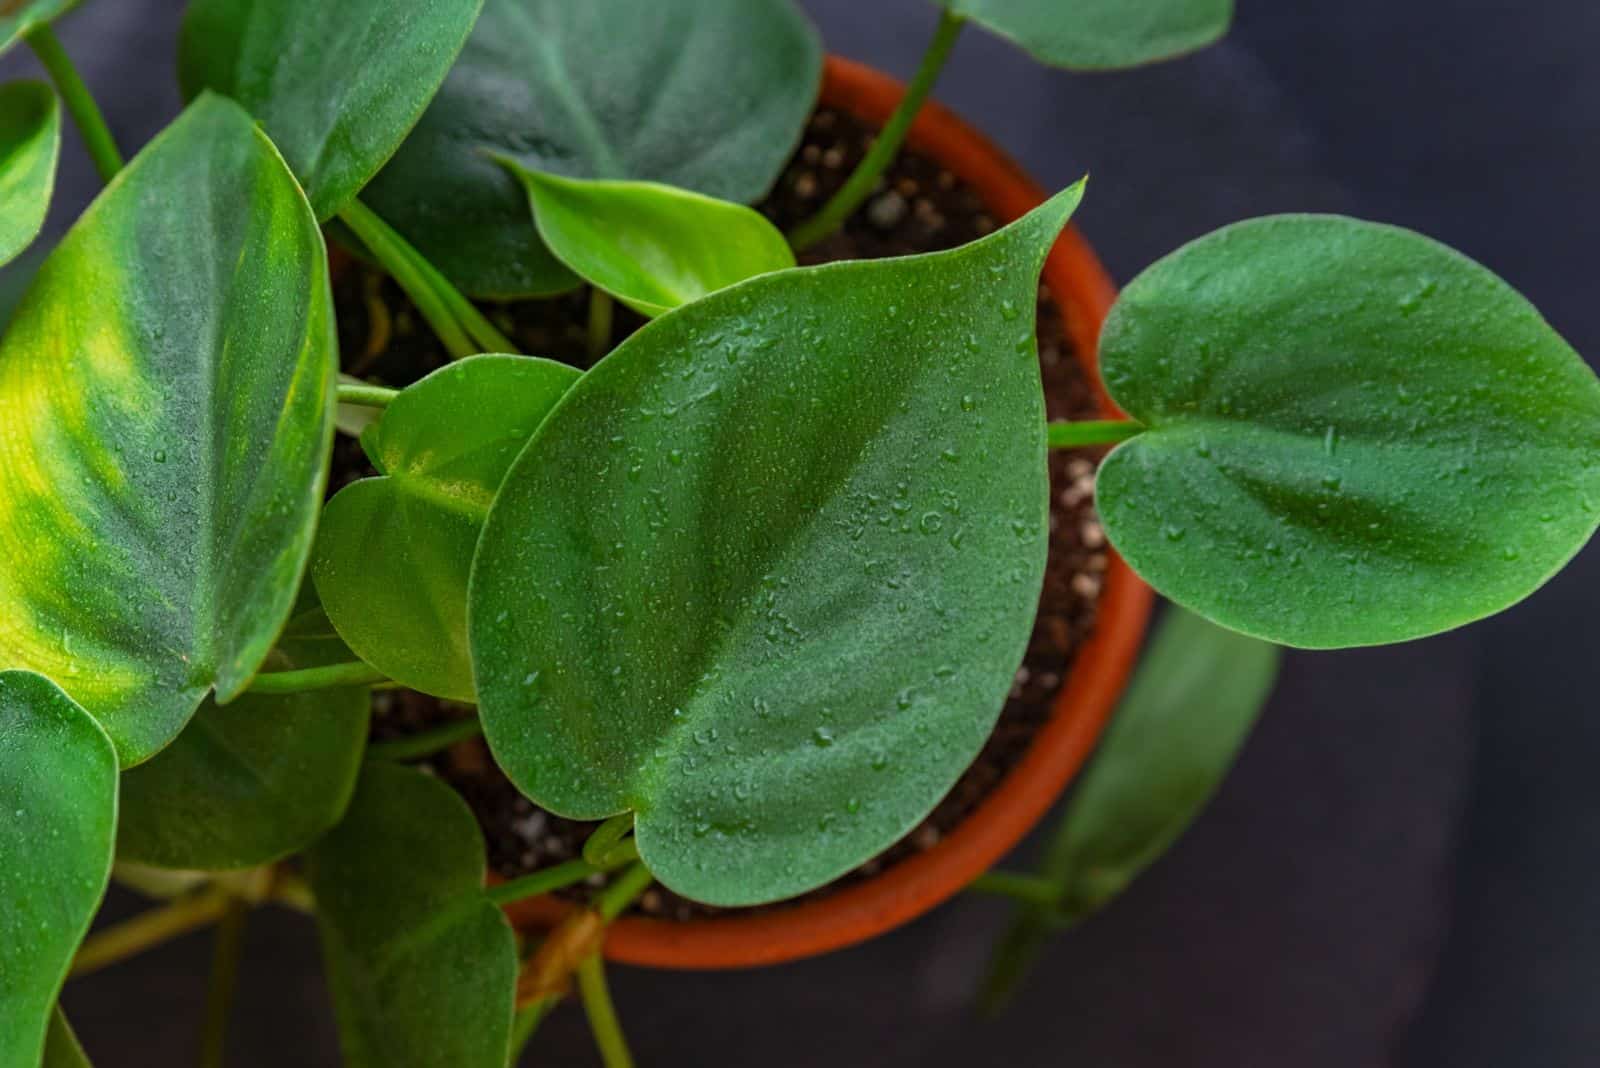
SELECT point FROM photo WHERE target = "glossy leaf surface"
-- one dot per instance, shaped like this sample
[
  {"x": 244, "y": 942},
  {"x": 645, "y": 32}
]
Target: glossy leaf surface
[
  {"x": 1193, "y": 701},
  {"x": 651, "y": 246},
  {"x": 166, "y": 442},
  {"x": 422, "y": 966},
  {"x": 336, "y": 85},
  {"x": 58, "y": 790},
  {"x": 30, "y": 143},
  {"x": 1356, "y": 434},
  {"x": 394, "y": 552},
  {"x": 709, "y": 95},
  {"x": 20, "y": 16},
  {"x": 255, "y": 780},
  {"x": 765, "y": 575},
  {"x": 1102, "y": 34}
]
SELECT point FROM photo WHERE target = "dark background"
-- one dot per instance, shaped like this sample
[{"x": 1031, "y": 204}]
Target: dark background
[{"x": 1402, "y": 868}]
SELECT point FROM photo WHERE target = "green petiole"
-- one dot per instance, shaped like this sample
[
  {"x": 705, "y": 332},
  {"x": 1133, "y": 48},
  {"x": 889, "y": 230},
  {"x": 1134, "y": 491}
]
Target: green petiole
[
  {"x": 1074, "y": 435},
  {"x": 366, "y": 395},
  {"x": 602, "y": 1013},
  {"x": 354, "y": 673},
  {"x": 560, "y": 876},
  {"x": 86, "y": 114}
]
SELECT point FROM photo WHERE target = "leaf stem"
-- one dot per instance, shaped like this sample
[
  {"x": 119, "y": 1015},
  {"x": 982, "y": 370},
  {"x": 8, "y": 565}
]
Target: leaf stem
[
  {"x": 86, "y": 114},
  {"x": 1018, "y": 886},
  {"x": 559, "y": 876},
  {"x": 355, "y": 673},
  {"x": 602, "y": 1013},
  {"x": 366, "y": 395},
  {"x": 1063, "y": 435},
  {"x": 601, "y": 307},
  {"x": 607, "y": 835},
  {"x": 428, "y": 742},
  {"x": 865, "y": 177},
  {"x": 224, "y": 982},
  {"x": 614, "y": 899},
  {"x": 150, "y": 928}
]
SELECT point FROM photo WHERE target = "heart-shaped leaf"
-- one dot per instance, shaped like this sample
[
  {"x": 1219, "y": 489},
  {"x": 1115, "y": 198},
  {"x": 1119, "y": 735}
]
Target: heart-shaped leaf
[
  {"x": 30, "y": 142},
  {"x": 766, "y": 573},
  {"x": 337, "y": 85},
  {"x": 1356, "y": 435},
  {"x": 19, "y": 17},
  {"x": 253, "y": 781},
  {"x": 166, "y": 442},
  {"x": 1195, "y": 698},
  {"x": 1101, "y": 34},
  {"x": 58, "y": 790},
  {"x": 422, "y": 966},
  {"x": 651, "y": 246},
  {"x": 394, "y": 553},
  {"x": 708, "y": 95}
]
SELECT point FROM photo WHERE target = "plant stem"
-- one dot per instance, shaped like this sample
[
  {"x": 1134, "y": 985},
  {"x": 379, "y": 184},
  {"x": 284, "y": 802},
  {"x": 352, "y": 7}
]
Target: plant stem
[
  {"x": 366, "y": 394},
  {"x": 1093, "y": 432},
  {"x": 608, "y": 834},
  {"x": 80, "y": 103},
  {"x": 861, "y": 183},
  {"x": 567, "y": 873},
  {"x": 428, "y": 742},
  {"x": 150, "y": 928},
  {"x": 355, "y": 673},
  {"x": 526, "y": 1023},
  {"x": 1027, "y": 889},
  {"x": 614, "y": 899},
  {"x": 602, "y": 1013},
  {"x": 224, "y": 981},
  {"x": 601, "y": 307}
]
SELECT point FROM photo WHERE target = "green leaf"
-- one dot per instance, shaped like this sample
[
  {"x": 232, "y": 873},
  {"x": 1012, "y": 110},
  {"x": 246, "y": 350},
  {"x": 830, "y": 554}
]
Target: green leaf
[
  {"x": 708, "y": 95},
  {"x": 61, "y": 1046},
  {"x": 30, "y": 142},
  {"x": 1198, "y": 692},
  {"x": 58, "y": 790},
  {"x": 767, "y": 571},
  {"x": 166, "y": 442},
  {"x": 20, "y": 17},
  {"x": 1101, "y": 34},
  {"x": 253, "y": 781},
  {"x": 651, "y": 246},
  {"x": 422, "y": 966},
  {"x": 394, "y": 552},
  {"x": 337, "y": 85},
  {"x": 1356, "y": 434}
]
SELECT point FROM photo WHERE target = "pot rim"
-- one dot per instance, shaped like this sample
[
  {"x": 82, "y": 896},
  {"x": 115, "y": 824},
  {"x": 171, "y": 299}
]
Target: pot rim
[{"x": 1088, "y": 695}]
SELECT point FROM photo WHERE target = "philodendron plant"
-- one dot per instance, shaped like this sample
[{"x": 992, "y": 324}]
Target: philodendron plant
[{"x": 751, "y": 590}]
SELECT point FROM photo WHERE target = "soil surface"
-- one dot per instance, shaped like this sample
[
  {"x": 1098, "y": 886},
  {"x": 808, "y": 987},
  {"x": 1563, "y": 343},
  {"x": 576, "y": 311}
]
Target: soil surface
[{"x": 918, "y": 207}]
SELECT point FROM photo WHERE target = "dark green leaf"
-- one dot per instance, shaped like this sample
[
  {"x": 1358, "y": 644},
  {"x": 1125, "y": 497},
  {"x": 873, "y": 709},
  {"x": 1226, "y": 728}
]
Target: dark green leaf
[
  {"x": 1102, "y": 34},
  {"x": 709, "y": 95},
  {"x": 1356, "y": 435},
  {"x": 337, "y": 85},
  {"x": 19, "y": 17},
  {"x": 58, "y": 790},
  {"x": 394, "y": 552},
  {"x": 1195, "y": 698},
  {"x": 767, "y": 571},
  {"x": 166, "y": 441},
  {"x": 253, "y": 781},
  {"x": 651, "y": 246},
  {"x": 30, "y": 142},
  {"x": 61, "y": 1046},
  {"x": 422, "y": 967}
]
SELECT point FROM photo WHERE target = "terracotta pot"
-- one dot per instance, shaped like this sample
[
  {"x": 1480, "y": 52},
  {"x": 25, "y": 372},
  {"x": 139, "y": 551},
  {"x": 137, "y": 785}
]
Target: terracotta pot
[{"x": 913, "y": 886}]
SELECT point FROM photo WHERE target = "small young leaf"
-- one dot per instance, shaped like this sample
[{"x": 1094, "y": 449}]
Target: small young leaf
[
  {"x": 61, "y": 1046},
  {"x": 1102, "y": 34},
  {"x": 19, "y": 17},
  {"x": 1196, "y": 696},
  {"x": 30, "y": 142},
  {"x": 337, "y": 85},
  {"x": 1356, "y": 435},
  {"x": 58, "y": 791},
  {"x": 766, "y": 573},
  {"x": 394, "y": 552},
  {"x": 253, "y": 781},
  {"x": 166, "y": 442},
  {"x": 423, "y": 968},
  {"x": 708, "y": 95},
  {"x": 651, "y": 246}
]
